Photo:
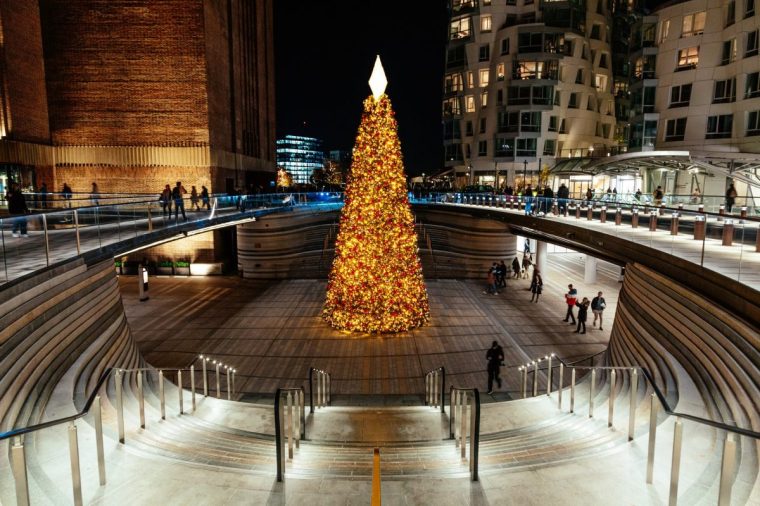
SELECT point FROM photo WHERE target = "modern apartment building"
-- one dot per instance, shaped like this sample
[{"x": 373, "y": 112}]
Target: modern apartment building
[
  {"x": 527, "y": 82},
  {"x": 300, "y": 156}
]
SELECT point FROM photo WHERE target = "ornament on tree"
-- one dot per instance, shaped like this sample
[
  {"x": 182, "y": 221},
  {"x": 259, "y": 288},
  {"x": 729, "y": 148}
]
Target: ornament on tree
[{"x": 376, "y": 282}]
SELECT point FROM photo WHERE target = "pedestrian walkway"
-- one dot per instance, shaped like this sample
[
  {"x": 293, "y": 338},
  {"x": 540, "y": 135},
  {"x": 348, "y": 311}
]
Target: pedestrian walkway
[{"x": 272, "y": 332}]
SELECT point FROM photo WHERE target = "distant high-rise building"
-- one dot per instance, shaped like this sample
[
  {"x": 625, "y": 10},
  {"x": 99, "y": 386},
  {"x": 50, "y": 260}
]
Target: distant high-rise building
[
  {"x": 300, "y": 156},
  {"x": 526, "y": 83}
]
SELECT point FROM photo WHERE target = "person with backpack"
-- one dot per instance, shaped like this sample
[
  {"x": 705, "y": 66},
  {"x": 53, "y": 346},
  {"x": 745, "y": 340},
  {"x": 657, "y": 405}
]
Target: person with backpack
[
  {"x": 597, "y": 307},
  {"x": 658, "y": 195},
  {"x": 179, "y": 204},
  {"x": 166, "y": 200}
]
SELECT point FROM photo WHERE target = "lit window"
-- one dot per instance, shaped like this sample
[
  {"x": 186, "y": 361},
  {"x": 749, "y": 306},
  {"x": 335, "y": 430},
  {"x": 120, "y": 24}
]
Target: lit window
[
  {"x": 600, "y": 81},
  {"x": 719, "y": 127},
  {"x": 725, "y": 91},
  {"x": 693, "y": 24},
  {"x": 680, "y": 95},
  {"x": 485, "y": 23},
  {"x": 459, "y": 29},
  {"x": 484, "y": 99},
  {"x": 675, "y": 129},
  {"x": 729, "y": 52},
  {"x": 453, "y": 83},
  {"x": 664, "y": 30},
  {"x": 688, "y": 58},
  {"x": 500, "y": 72},
  {"x": 451, "y": 107},
  {"x": 751, "y": 44},
  {"x": 470, "y": 80},
  {"x": 753, "y": 123},
  {"x": 483, "y": 78},
  {"x": 469, "y": 103}
]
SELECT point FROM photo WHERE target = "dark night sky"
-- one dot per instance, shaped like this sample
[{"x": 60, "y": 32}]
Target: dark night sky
[{"x": 324, "y": 53}]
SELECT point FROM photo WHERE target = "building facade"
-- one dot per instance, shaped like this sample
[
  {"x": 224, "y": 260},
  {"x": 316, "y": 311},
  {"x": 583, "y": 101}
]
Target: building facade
[
  {"x": 300, "y": 156},
  {"x": 526, "y": 83},
  {"x": 135, "y": 95}
]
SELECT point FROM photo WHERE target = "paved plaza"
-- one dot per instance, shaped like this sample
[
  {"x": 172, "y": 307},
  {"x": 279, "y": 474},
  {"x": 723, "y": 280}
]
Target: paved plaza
[{"x": 272, "y": 332}]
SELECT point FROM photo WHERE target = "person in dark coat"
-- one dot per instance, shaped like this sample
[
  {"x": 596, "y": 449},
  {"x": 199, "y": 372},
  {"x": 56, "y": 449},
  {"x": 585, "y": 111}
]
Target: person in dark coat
[
  {"x": 17, "y": 207},
  {"x": 516, "y": 268},
  {"x": 730, "y": 197},
  {"x": 536, "y": 286},
  {"x": 495, "y": 357},
  {"x": 563, "y": 194},
  {"x": 582, "y": 312}
]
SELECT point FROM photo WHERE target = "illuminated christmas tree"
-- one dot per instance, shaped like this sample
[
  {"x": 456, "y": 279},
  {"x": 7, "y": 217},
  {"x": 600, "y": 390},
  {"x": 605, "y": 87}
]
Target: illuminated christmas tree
[{"x": 376, "y": 282}]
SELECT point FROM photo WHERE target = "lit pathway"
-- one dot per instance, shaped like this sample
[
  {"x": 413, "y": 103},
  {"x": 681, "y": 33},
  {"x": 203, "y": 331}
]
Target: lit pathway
[{"x": 740, "y": 261}]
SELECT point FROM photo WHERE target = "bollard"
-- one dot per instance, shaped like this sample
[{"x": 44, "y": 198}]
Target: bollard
[
  {"x": 700, "y": 225},
  {"x": 554, "y": 207},
  {"x": 603, "y": 215},
  {"x": 618, "y": 216},
  {"x": 652, "y": 437},
  {"x": 653, "y": 221},
  {"x": 590, "y": 212},
  {"x": 662, "y": 210},
  {"x": 721, "y": 212},
  {"x": 635, "y": 218},
  {"x": 743, "y": 212},
  {"x": 674, "y": 224},
  {"x": 728, "y": 233},
  {"x": 578, "y": 212},
  {"x": 701, "y": 208}
]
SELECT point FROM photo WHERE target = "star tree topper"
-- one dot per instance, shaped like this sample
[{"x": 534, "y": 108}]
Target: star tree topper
[{"x": 378, "y": 81}]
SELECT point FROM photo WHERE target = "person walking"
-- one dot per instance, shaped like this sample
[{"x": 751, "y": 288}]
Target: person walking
[
  {"x": 17, "y": 207},
  {"x": 43, "y": 195},
  {"x": 67, "y": 194},
  {"x": 179, "y": 204},
  {"x": 597, "y": 307},
  {"x": 658, "y": 195},
  {"x": 730, "y": 197},
  {"x": 194, "y": 199},
  {"x": 495, "y": 357},
  {"x": 526, "y": 263},
  {"x": 94, "y": 194},
  {"x": 491, "y": 282},
  {"x": 582, "y": 312},
  {"x": 563, "y": 194},
  {"x": 536, "y": 286},
  {"x": 166, "y": 201},
  {"x": 516, "y": 268},
  {"x": 205, "y": 201},
  {"x": 571, "y": 297},
  {"x": 501, "y": 275}
]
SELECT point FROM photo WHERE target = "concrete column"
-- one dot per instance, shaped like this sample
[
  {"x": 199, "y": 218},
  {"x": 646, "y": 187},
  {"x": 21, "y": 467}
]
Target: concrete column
[
  {"x": 541, "y": 258},
  {"x": 589, "y": 275}
]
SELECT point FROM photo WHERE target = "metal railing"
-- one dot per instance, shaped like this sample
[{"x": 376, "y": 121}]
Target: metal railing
[
  {"x": 657, "y": 401},
  {"x": 93, "y": 404},
  {"x": 461, "y": 399},
  {"x": 290, "y": 418},
  {"x": 324, "y": 388},
  {"x": 435, "y": 388},
  {"x": 219, "y": 368}
]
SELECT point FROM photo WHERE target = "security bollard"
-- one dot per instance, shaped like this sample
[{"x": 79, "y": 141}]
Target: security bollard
[
  {"x": 728, "y": 233},
  {"x": 653, "y": 221},
  {"x": 699, "y": 228},
  {"x": 618, "y": 217},
  {"x": 635, "y": 218},
  {"x": 603, "y": 215},
  {"x": 674, "y": 224}
]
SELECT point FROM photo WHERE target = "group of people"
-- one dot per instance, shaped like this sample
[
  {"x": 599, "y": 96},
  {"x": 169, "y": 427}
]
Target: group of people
[
  {"x": 176, "y": 196},
  {"x": 496, "y": 277},
  {"x": 597, "y": 305}
]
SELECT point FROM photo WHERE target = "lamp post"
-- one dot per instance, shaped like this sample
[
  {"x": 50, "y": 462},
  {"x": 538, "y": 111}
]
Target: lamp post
[{"x": 525, "y": 173}]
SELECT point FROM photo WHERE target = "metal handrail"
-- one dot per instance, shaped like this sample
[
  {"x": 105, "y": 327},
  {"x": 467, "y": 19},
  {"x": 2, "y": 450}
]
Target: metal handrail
[
  {"x": 660, "y": 396},
  {"x": 435, "y": 384},
  {"x": 278, "y": 427},
  {"x": 458, "y": 400},
  {"x": 324, "y": 388},
  {"x": 376, "y": 487}
]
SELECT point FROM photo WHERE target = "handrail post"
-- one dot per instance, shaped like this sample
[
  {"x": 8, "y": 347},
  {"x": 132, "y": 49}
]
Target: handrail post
[
  {"x": 229, "y": 389},
  {"x": 76, "y": 231},
  {"x": 611, "y": 404},
  {"x": 180, "y": 393},
  {"x": 451, "y": 413},
  {"x": 289, "y": 423},
  {"x": 463, "y": 428},
  {"x": 525, "y": 382},
  {"x": 427, "y": 389},
  {"x": 47, "y": 241},
  {"x": 141, "y": 398},
  {"x": 443, "y": 389},
  {"x": 76, "y": 476},
  {"x": 727, "y": 471},
  {"x": 675, "y": 466},
  {"x": 150, "y": 221},
  {"x": 632, "y": 408},
  {"x": 311, "y": 390},
  {"x": 572, "y": 390},
  {"x": 120, "y": 406},
  {"x": 192, "y": 384},
  {"x": 652, "y": 437},
  {"x": 559, "y": 384},
  {"x": 474, "y": 434},
  {"x": 205, "y": 376},
  {"x": 549, "y": 376},
  {"x": 278, "y": 435},
  {"x": 218, "y": 386},
  {"x": 535, "y": 377},
  {"x": 161, "y": 394},
  {"x": 18, "y": 464},
  {"x": 234, "y": 371},
  {"x": 591, "y": 394},
  {"x": 97, "y": 415}
]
